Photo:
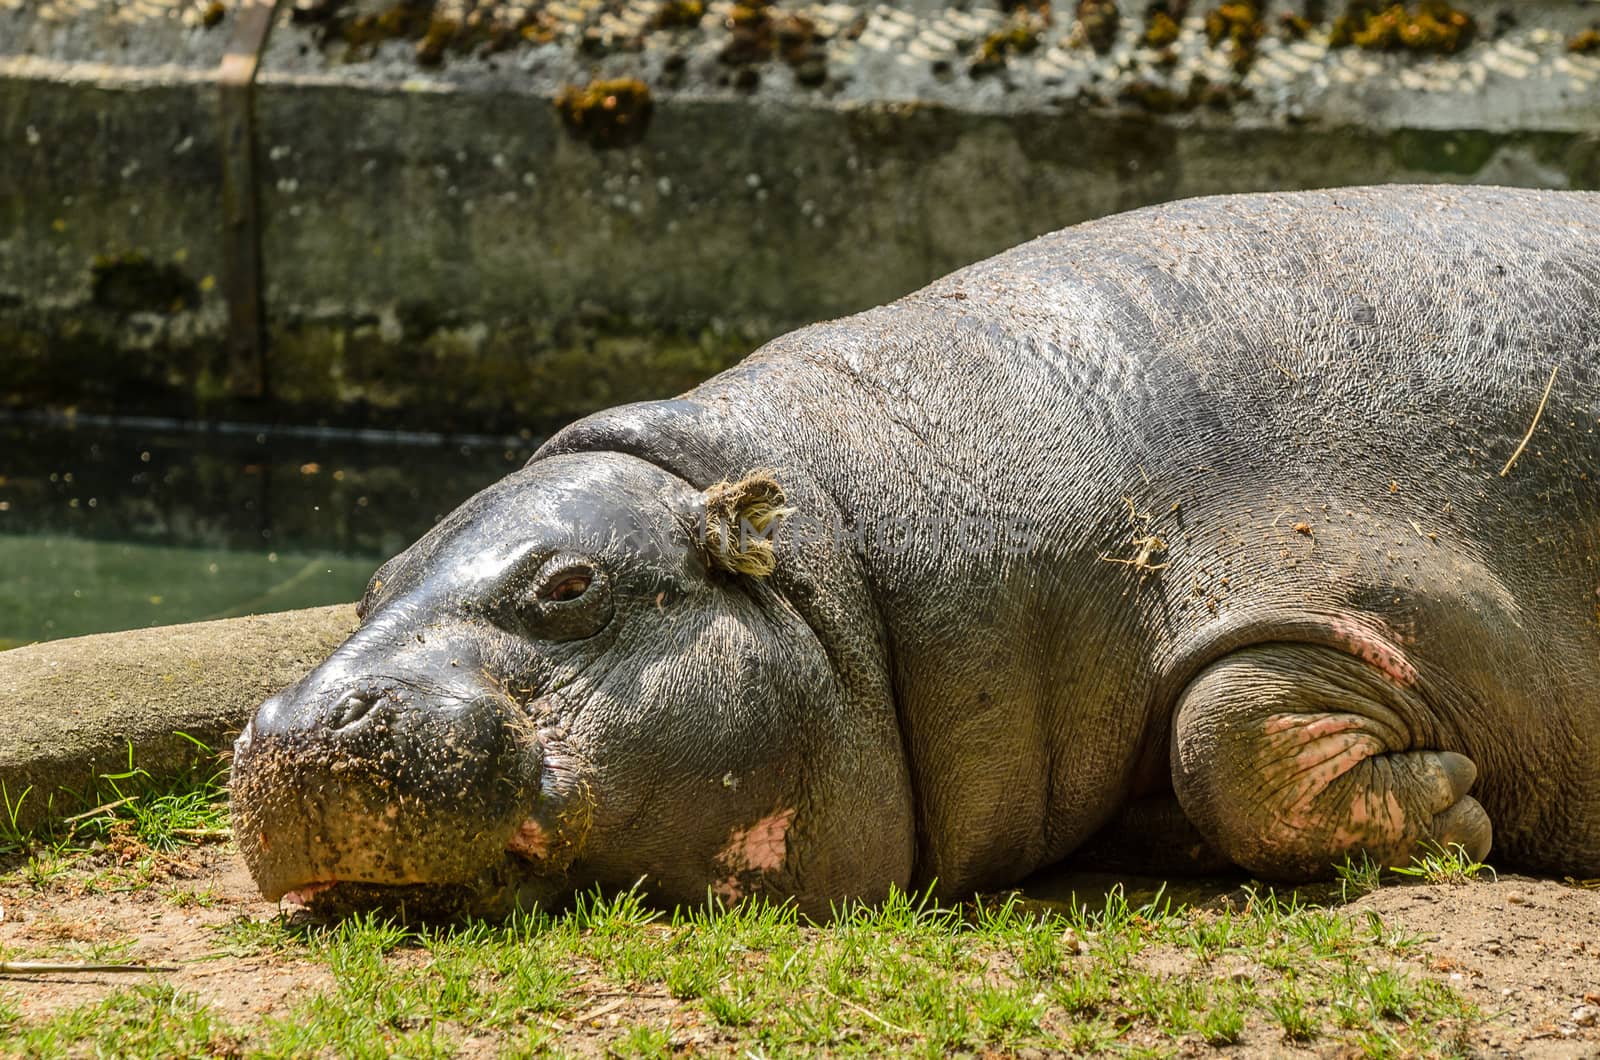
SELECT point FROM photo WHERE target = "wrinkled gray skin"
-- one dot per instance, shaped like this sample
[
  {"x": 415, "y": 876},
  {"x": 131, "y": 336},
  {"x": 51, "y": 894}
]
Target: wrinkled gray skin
[{"x": 1262, "y": 593}]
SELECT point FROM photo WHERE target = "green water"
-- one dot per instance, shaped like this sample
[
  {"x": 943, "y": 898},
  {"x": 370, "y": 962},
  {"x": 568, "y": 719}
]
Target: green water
[
  {"x": 110, "y": 528},
  {"x": 64, "y": 587}
]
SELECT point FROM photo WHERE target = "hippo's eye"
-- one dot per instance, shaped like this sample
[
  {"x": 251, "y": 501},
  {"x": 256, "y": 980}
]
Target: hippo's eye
[
  {"x": 569, "y": 588},
  {"x": 568, "y": 598}
]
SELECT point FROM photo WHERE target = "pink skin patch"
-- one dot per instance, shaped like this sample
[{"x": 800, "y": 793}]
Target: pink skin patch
[
  {"x": 531, "y": 841},
  {"x": 760, "y": 848},
  {"x": 1306, "y": 755},
  {"x": 1369, "y": 647},
  {"x": 303, "y": 894},
  {"x": 1375, "y": 817}
]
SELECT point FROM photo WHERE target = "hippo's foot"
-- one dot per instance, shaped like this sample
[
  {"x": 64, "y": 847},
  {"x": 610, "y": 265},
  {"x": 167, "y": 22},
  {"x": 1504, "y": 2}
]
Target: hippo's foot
[{"x": 1290, "y": 758}]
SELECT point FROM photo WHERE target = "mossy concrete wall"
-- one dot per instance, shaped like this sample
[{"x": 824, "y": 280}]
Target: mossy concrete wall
[
  {"x": 442, "y": 250},
  {"x": 74, "y": 711}
]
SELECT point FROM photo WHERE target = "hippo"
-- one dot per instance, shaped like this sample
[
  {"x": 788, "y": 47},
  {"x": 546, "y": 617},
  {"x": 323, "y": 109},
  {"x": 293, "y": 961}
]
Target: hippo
[{"x": 1253, "y": 530}]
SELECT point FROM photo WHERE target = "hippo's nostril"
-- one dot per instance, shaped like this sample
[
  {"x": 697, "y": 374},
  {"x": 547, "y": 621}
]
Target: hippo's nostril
[{"x": 351, "y": 709}]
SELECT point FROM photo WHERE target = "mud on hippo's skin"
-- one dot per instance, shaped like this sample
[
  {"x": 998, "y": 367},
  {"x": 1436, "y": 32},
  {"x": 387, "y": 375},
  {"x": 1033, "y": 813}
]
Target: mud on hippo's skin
[{"x": 564, "y": 684}]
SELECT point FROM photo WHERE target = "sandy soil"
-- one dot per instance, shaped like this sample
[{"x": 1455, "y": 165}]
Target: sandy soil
[
  {"x": 65, "y": 921},
  {"x": 1526, "y": 951}
]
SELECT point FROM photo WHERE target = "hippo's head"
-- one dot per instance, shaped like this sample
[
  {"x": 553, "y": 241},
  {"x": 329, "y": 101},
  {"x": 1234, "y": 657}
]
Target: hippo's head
[{"x": 562, "y": 685}]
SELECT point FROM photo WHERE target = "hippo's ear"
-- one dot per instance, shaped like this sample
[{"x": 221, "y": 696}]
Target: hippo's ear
[{"x": 740, "y": 518}]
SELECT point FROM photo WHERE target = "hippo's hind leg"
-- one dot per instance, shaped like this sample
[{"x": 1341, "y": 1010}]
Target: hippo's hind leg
[{"x": 1290, "y": 757}]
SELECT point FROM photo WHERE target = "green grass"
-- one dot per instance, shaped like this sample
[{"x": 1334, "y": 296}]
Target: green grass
[
  {"x": 1436, "y": 864},
  {"x": 909, "y": 976},
  {"x": 1449, "y": 864},
  {"x": 127, "y": 805},
  {"x": 147, "y": 1020}
]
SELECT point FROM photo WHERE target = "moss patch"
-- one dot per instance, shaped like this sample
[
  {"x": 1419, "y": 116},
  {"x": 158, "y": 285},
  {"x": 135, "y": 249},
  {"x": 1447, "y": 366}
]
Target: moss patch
[
  {"x": 678, "y": 14},
  {"x": 1158, "y": 98},
  {"x": 1239, "y": 27},
  {"x": 799, "y": 45},
  {"x": 1018, "y": 36},
  {"x": 132, "y": 283},
  {"x": 759, "y": 31},
  {"x": 1097, "y": 23},
  {"x": 750, "y": 26},
  {"x": 1295, "y": 27},
  {"x": 608, "y": 113},
  {"x": 1431, "y": 27},
  {"x": 1162, "y": 21},
  {"x": 1584, "y": 42},
  {"x": 481, "y": 30}
]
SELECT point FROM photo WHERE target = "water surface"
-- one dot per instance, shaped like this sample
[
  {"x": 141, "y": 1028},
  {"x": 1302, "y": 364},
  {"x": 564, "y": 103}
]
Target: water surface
[{"x": 109, "y": 525}]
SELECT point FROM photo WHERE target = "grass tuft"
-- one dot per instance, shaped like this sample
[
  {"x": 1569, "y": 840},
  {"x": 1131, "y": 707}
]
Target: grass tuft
[{"x": 1449, "y": 864}]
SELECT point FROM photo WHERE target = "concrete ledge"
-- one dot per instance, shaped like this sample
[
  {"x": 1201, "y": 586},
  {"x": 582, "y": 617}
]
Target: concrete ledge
[
  {"x": 441, "y": 250},
  {"x": 72, "y": 710}
]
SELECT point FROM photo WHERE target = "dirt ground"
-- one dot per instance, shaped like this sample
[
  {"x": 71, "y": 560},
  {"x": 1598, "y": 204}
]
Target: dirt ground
[
  {"x": 1526, "y": 951},
  {"x": 65, "y": 921}
]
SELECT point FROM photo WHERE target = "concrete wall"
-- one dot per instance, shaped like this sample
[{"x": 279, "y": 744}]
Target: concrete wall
[{"x": 441, "y": 251}]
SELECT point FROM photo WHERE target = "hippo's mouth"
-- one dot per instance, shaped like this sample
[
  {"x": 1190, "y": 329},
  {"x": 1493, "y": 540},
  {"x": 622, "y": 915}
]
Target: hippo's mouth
[
  {"x": 496, "y": 893},
  {"x": 303, "y": 894}
]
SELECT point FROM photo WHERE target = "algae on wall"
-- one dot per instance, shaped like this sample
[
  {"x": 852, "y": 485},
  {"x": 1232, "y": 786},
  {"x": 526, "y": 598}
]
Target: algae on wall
[{"x": 448, "y": 245}]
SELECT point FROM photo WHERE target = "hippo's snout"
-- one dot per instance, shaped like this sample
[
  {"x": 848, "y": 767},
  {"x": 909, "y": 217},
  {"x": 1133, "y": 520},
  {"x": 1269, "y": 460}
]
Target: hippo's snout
[
  {"x": 380, "y": 780},
  {"x": 343, "y": 711},
  {"x": 284, "y": 714}
]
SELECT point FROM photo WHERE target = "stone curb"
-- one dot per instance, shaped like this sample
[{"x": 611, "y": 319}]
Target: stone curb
[{"x": 73, "y": 711}]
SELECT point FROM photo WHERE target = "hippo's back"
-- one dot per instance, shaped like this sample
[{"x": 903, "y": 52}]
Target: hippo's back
[
  {"x": 1331, "y": 318},
  {"x": 1308, "y": 345}
]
